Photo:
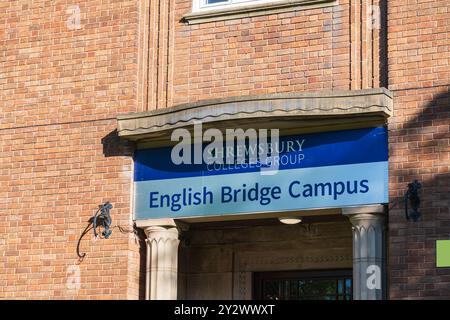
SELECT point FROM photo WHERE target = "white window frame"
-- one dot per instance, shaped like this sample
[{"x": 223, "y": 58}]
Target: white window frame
[{"x": 202, "y": 5}]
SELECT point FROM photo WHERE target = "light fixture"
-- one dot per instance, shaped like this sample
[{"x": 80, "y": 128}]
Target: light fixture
[
  {"x": 290, "y": 220},
  {"x": 103, "y": 220},
  {"x": 412, "y": 198}
]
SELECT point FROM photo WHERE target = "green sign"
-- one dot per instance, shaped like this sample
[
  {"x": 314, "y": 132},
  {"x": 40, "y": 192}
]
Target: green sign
[{"x": 442, "y": 253}]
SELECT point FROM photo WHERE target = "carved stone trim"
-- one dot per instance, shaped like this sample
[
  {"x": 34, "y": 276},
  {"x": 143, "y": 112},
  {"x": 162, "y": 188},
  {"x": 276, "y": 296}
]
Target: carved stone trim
[{"x": 264, "y": 261}]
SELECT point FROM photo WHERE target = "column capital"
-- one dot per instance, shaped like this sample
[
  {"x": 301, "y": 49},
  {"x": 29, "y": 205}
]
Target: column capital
[
  {"x": 368, "y": 220},
  {"x": 162, "y": 223},
  {"x": 161, "y": 232},
  {"x": 162, "y": 258}
]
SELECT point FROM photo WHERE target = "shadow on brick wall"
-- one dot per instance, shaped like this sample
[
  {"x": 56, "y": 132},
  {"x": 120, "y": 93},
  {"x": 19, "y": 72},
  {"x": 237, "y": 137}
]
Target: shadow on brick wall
[
  {"x": 113, "y": 146},
  {"x": 432, "y": 121},
  {"x": 142, "y": 261},
  {"x": 438, "y": 109},
  {"x": 413, "y": 272}
]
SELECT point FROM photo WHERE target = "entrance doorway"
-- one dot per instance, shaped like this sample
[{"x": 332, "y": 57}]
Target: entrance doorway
[{"x": 303, "y": 285}]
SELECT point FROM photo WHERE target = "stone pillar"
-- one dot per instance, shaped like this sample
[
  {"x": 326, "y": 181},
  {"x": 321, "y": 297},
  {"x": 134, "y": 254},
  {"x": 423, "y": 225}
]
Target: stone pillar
[
  {"x": 161, "y": 260},
  {"x": 369, "y": 251}
]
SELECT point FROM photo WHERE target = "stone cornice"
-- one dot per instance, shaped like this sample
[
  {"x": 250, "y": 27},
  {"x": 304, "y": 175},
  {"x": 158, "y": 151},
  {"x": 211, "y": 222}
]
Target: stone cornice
[{"x": 269, "y": 111}]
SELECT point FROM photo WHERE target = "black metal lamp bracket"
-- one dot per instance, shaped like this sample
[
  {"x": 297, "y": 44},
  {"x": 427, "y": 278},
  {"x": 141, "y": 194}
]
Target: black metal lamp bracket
[
  {"x": 103, "y": 219},
  {"x": 412, "y": 199}
]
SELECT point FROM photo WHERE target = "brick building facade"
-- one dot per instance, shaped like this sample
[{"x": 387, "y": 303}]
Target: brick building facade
[{"x": 70, "y": 71}]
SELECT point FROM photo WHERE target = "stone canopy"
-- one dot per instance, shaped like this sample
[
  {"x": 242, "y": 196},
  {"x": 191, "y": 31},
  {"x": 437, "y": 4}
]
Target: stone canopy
[{"x": 290, "y": 112}]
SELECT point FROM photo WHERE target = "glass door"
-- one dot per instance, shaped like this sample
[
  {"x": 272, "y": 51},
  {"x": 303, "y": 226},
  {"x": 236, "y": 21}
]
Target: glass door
[{"x": 303, "y": 285}]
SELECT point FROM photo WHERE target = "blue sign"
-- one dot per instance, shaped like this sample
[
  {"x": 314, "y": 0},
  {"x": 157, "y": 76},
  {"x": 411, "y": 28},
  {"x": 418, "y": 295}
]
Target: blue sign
[{"x": 320, "y": 170}]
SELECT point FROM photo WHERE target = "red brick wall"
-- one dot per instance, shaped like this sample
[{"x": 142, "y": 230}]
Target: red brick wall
[
  {"x": 60, "y": 91},
  {"x": 266, "y": 54},
  {"x": 419, "y": 75},
  {"x": 305, "y": 50},
  {"x": 293, "y": 51}
]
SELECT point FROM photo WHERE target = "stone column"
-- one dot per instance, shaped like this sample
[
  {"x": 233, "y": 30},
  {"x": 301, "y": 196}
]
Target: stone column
[
  {"x": 161, "y": 260},
  {"x": 369, "y": 251}
]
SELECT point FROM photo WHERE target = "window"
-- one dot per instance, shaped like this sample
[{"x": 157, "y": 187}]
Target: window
[
  {"x": 201, "y": 5},
  {"x": 217, "y": 10},
  {"x": 298, "y": 285}
]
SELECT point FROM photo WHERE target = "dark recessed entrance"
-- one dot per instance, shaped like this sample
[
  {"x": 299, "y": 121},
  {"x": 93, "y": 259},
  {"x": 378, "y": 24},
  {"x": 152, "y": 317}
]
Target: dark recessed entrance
[{"x": 303, "y": 285}]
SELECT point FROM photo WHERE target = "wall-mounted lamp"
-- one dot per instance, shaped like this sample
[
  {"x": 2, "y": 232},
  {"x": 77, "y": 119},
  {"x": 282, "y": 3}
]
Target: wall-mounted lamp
[
  {"x": 412, "y": 199},
  {"x": 290, "y": 220},
  {"x": 103, "y": 220}
]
